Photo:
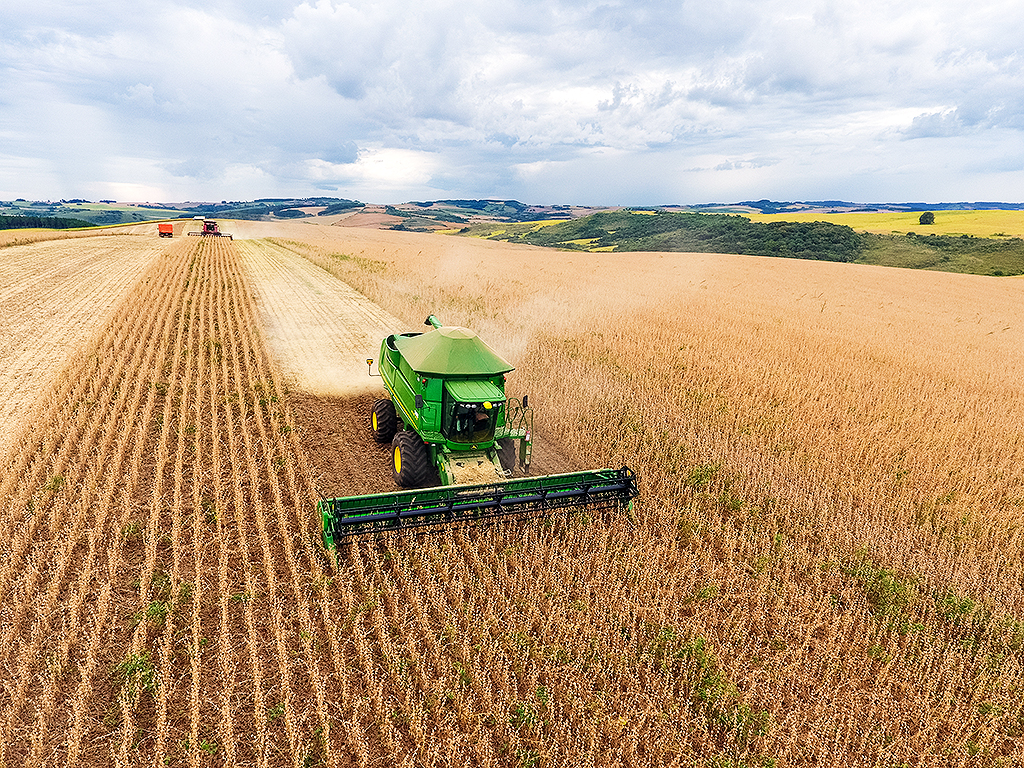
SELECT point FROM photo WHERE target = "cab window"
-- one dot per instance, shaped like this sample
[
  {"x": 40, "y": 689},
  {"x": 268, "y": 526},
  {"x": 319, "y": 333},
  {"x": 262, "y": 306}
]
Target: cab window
[{"x": 471, "y": 422}]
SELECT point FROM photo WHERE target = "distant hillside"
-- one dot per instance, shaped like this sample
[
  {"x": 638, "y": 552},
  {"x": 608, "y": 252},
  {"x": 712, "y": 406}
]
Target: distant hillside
[
  {"x": 444, "y": 214},
  {"x": 424, "y": 216},
  {"x": 944, "y": 253},
  {"x": 269, "y": 208},
  {"x": 111, "y": 212},
  {"x": 773, "y": 206},
  {"x": 646, "y": 230},
  {"x": 657, "y": 230}
]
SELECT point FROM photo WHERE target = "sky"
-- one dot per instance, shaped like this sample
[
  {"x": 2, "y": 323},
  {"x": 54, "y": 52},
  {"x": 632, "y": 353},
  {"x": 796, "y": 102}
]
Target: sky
[{"x": 614, "y": 102}]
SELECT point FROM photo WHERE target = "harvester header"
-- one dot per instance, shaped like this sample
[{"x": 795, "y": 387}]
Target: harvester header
[
  {"x": 519, "y": 498},
  {"x": 451, "y": 424}
]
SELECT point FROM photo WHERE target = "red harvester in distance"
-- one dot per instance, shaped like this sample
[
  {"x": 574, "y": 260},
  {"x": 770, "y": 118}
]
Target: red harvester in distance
[{"x": 210, "y": 229}]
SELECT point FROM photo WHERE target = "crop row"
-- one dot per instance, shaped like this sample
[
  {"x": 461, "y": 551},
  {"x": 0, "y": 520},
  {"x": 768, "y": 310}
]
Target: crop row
[
  {"x": 824, "y": 563},
  {"x": 166, "y": 600}
]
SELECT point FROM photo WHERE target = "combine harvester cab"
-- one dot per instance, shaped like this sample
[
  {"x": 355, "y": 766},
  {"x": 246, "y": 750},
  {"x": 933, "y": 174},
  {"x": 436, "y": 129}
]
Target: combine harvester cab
[{"x": 449, "y": 421}]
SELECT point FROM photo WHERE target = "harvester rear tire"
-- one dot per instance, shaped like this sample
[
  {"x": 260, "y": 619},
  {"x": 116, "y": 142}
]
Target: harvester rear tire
[
  {"x": 507, "y": 454},
  {"x": 411, "y": 466},
  {"x": 383, "y": 421}
]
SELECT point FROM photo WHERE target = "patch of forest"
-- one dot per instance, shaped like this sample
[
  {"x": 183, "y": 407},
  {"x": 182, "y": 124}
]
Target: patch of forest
[
  {"x": 40, "y": 222},
  {"x": 628, "y": 230}
]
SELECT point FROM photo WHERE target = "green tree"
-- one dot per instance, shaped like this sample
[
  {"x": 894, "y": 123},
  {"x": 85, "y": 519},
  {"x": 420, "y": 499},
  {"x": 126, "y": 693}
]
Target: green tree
[{"x": 927, "y": 218}]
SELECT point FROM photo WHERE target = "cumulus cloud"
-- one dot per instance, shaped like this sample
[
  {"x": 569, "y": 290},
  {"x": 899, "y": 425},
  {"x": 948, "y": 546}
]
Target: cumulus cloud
[
  {"x": 599, "y": 101},
  {"x": 379, "y": 170}
]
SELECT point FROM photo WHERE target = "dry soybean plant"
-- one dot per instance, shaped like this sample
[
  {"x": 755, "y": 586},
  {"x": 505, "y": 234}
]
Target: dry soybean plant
[
  {"x": 832, "y": 483},
  {"x": 823, "y": 568}
]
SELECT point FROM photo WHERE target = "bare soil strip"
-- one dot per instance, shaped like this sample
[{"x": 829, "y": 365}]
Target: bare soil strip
[{"x": 343, "y": 457}]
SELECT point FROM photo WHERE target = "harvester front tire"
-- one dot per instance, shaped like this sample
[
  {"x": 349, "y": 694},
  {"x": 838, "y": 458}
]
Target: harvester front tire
[
  {"x": 411, "y": 466},
  {"x": 383, "y": 421},
  {"x": 507, "y": 454}
]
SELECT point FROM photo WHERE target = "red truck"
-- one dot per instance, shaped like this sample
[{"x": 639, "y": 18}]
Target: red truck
[{"x": 166, "y": 229}]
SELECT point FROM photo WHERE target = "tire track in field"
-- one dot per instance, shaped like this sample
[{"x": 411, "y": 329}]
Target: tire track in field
[{"x": 321, "y": 332}]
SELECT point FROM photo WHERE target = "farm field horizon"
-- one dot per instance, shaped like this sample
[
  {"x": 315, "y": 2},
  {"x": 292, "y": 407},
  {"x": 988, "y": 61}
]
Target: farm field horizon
[
  {"x": 824, "y": 566},
  {"x": 1000, "y": 222}
]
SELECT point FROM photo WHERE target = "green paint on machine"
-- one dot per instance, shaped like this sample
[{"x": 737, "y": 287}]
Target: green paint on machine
[{"x": 451, "y": 424}]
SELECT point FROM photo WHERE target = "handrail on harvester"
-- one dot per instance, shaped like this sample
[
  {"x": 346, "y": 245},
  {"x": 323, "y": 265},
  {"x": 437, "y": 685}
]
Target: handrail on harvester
[{"x": 520, "y": 497}]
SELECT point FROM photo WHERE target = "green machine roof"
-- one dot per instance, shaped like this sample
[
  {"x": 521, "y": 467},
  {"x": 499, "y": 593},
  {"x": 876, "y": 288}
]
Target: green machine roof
[
  {"x": 474, "y": 391},
  {"x": 451, "y": 351}
]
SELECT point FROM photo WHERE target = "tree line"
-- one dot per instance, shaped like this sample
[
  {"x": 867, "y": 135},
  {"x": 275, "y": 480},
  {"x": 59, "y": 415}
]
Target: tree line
[{"x": 40, "y": 222}]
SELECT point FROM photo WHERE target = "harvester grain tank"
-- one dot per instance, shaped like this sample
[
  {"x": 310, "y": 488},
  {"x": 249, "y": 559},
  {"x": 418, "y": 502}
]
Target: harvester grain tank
[
  {"x": 210, "y": 229},
  {"x": 451, "y": 424},
  {"x": 165, "y": 228}
]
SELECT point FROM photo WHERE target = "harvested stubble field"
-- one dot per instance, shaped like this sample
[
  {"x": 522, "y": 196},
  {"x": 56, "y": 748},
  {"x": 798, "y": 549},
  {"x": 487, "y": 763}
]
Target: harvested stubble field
[
  {"x": 825, "y": 567},
  {"x": 53, "y": 298}
]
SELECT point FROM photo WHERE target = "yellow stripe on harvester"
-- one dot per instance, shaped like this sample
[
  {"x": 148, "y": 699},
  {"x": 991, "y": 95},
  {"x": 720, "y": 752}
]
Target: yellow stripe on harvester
[{"x": 394, "y": 399}]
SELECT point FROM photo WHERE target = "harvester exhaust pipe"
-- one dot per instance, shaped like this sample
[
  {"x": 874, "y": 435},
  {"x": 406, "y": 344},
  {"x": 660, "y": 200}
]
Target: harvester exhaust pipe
[{"x": 432, "y": 321}]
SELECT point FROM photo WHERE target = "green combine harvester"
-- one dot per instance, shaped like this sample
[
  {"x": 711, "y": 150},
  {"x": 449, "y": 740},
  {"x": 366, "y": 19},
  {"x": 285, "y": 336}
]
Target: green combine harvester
[{"x": 457, "y": 441}]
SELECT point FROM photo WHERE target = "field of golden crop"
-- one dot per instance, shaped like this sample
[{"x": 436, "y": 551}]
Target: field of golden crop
[
  {"x": 978, "y": 223},
  {"x": 825, "y": 566}
]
